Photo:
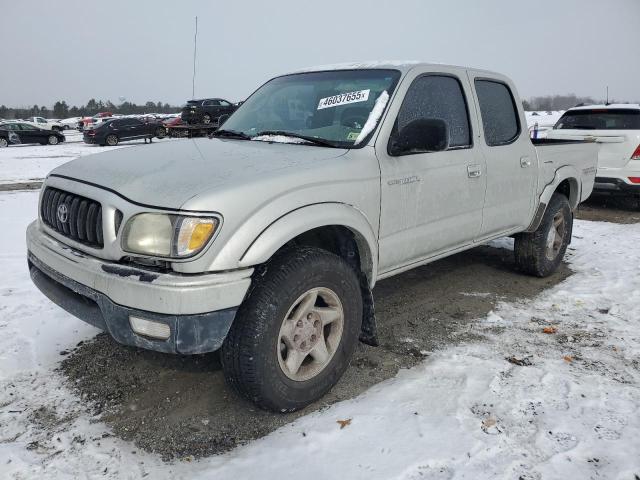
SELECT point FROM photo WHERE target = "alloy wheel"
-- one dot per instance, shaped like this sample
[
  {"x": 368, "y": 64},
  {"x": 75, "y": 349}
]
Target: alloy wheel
[{"x": 310, "y": 334}]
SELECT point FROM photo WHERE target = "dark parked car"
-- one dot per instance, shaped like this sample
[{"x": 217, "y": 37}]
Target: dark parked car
[
  {"x": 17, "y": 132},
  {"x": 118, "y": 130},
  {"x": 207, "y": 110}
]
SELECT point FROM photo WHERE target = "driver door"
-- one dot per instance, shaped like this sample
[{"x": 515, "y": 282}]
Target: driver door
[{"x": 431, "y": 201}]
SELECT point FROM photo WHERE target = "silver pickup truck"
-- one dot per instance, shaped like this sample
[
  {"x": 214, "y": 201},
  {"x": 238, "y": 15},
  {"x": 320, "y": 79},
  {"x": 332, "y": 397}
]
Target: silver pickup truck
[{"x": 266, "y": 240}]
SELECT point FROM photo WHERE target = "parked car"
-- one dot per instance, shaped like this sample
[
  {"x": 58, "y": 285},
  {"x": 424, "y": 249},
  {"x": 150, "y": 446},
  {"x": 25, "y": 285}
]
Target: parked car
[
  {"x": 68, "y": 123},
  {"x": 91, "y": 122},
  {"x": 45, "y": 124},
  {"x": 616, "y": 128},
  {"x": 12, "y": 133},
  {"x": 208, "y": 110},
  {"x": 112, "y": 132},
  {"x": 266, "y": 240}
]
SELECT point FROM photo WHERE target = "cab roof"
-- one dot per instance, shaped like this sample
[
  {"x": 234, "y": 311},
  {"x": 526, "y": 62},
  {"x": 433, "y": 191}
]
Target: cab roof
[{"x": 402, "y": 65}]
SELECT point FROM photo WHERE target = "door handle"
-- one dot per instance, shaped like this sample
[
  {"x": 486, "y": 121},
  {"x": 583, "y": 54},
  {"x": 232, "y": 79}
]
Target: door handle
[
  {"x": 525, "y": 162},
  {"x": 474, "y": 171}
]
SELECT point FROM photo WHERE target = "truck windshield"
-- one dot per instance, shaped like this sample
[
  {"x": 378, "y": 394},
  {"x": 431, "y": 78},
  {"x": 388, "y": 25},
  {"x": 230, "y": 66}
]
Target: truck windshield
[
  {"x": 339, "y": 107},
  {"x": 600, "y": 119}
]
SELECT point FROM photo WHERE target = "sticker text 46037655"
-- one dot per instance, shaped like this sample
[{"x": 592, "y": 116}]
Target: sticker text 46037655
[{"x": 344, "y": 99}]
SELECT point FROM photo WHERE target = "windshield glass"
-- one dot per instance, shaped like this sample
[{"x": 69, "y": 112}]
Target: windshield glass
[
  {"x": 334, "y": 106},
  {"x": 600, "y": 119}
]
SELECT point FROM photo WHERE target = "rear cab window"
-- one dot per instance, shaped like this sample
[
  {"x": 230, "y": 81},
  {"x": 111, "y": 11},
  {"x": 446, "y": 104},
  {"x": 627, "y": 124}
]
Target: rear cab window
[
  {"x": 499, "y": 113},
  {"x": 600, "y": 119}
]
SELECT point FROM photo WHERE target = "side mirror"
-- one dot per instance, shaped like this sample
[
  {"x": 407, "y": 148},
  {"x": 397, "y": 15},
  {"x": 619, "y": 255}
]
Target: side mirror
[{"x": 421, "y": 135}]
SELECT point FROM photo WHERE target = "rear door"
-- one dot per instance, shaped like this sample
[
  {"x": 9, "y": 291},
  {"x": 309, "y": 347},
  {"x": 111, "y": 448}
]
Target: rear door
[
  {"x": 431, "y": 202},
  {"x": 509, "y": 155}
]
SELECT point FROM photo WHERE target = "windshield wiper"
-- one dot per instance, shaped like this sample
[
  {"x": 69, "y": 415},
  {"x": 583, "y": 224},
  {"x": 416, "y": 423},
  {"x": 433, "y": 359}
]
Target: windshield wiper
[
  {"x": 230, "y": 134},
  {"x": 314, "y": 140}
]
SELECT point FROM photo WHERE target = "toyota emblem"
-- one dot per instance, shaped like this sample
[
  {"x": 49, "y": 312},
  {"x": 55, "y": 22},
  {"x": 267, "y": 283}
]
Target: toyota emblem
[{"x": 63, "y": 213}]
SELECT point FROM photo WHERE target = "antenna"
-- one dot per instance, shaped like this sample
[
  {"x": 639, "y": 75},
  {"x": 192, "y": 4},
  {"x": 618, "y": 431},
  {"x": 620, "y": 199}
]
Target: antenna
[
  {"x": 195, "y": 47},
  {"x": 607, "y": 95}
]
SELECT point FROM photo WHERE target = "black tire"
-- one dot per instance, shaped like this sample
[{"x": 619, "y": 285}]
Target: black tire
[
  {"x": 535, "y": 253},
  {"x": 161, "y": 132},
  {"x": 111, "y": 140},
  {"x": 206, "y": 118},
  {"x": 53, "y": 140},
  {"x": 249, "y": 355}
]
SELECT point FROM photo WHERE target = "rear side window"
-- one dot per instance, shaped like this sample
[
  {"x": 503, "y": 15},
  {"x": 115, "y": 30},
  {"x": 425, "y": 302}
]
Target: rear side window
[
  {"x": 600, "y": 119},
  {"x": 498, "y": 111},
  {"x": 438, "y": 97}
]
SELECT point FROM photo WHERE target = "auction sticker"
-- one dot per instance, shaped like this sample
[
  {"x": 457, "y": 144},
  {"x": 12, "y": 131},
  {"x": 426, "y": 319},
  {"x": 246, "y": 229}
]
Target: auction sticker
[{"x": 344, "y": 99}]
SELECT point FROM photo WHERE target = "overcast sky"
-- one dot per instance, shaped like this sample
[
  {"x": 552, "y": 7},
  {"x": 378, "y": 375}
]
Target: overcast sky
[{"x": 142, "y": 50}]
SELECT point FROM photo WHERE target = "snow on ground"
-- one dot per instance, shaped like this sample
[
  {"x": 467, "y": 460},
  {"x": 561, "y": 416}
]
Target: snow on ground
[
  {"x": 570, "y": 410},
  {"x": 27, "y": 163}
]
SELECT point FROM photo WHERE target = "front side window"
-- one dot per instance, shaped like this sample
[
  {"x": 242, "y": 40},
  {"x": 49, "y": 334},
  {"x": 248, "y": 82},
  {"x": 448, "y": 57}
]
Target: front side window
[
  {"x": 498, "y": 111},
  {"x": 600, "y": 119},
  {"x": 437, "y": 97},
  {"x": 334, "y": 106}
]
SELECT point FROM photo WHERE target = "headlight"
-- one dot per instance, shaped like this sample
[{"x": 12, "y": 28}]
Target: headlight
[{"x": 163, "y": 235}]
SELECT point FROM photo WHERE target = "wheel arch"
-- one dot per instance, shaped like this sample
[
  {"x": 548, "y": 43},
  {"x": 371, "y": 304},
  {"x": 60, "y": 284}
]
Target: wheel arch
[
  {"x": 566, "y": 182},
  {"x": 336, "y": 227}
]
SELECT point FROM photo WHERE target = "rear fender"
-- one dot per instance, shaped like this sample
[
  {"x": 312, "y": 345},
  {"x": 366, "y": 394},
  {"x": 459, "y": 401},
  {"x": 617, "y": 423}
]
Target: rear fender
[{"x": 569, "y": 173}]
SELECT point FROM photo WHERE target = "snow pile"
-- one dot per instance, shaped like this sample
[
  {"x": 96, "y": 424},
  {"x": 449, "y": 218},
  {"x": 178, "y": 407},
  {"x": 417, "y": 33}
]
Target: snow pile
[
  {"x": 522, "y": 403},
  {"x": 278, "y": 139},
  {"x": 374, "y": 117}
]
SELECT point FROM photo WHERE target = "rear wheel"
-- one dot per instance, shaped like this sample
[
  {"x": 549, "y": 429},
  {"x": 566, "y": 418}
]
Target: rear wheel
[
  {"x": 111, "y": 140},
  {"x": 539, "y": 253},
  {"x": 161, "y": 132},
  {"x": 294, "y": 334},
  {"x": 52, "y": 140},
  {"x": 3, "y": 142}
]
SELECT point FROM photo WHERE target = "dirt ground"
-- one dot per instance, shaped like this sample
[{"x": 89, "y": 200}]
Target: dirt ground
[{"x": 180, "y": 406}]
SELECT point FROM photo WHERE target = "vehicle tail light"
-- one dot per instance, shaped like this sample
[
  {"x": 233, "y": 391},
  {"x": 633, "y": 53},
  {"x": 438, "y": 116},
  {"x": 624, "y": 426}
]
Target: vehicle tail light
[
  {"x": 634, "y": 179},
  {"x": 636, "y": 153}
]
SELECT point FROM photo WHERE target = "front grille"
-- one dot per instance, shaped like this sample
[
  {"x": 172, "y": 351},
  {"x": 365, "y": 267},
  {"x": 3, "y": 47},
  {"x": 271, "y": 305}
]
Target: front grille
[{"x": 81, "y": 221}]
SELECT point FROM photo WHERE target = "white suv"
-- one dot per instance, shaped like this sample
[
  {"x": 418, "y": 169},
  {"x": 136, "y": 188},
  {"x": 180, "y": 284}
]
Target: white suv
[{"x": 617, "y": 129}]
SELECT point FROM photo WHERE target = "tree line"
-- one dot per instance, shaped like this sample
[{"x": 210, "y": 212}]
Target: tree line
[
  {"x": 62, "y": 110},
  {"x": 562, "y": 102}
]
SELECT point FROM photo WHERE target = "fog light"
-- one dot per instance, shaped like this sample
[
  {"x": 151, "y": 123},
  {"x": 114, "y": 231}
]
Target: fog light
[{"x": 149, "y": 328}]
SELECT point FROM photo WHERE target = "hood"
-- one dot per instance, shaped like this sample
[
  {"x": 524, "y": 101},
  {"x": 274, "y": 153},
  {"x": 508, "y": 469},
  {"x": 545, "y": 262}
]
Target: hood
[{"x": 167, "y": 174}]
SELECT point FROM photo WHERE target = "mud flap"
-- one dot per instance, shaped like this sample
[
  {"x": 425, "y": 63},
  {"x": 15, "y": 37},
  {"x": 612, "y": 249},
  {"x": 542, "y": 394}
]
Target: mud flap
[{"x": 369, "y": 329}]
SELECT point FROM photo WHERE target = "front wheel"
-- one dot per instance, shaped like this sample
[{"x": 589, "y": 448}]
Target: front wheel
[
  {"x": 111, "y": 140},
  {"x": 294, "y": 334},
  {"x": 540, "y": 252},
  {"x": 161, "y": 132},
  {"x": 206, "y": 118},
  {"x": 3, "y": 142},
  {"x": 52, "y": 140}
]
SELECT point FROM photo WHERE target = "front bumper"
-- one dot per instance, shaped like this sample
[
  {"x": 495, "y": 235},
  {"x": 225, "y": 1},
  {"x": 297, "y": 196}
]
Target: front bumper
[{"x": 198, "y": 309}]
